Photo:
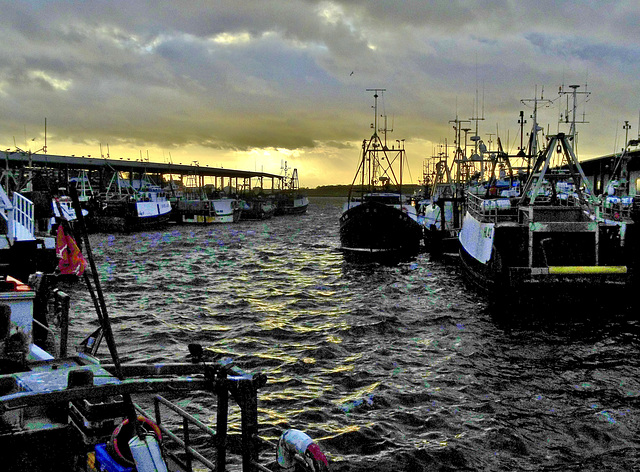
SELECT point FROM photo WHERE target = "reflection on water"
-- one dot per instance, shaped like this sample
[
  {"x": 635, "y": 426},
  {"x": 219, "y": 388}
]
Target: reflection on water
[{"x": 389, "y": 367}]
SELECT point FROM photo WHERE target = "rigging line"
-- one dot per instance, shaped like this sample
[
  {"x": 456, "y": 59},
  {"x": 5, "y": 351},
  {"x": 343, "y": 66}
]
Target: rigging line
[{"x": 409, "y": 170}]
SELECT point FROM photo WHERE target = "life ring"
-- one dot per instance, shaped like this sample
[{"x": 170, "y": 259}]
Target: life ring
[
  {"x": 119, "y": 443},
  {"x": 294, "y": 443}
]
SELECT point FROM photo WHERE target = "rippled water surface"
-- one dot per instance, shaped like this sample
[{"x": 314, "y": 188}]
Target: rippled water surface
[{"x": 389, "y": 368}]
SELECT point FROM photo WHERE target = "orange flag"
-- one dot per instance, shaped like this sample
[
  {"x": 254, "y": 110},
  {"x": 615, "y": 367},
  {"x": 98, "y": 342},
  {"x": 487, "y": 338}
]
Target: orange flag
[{"x": 71, "y": 259}]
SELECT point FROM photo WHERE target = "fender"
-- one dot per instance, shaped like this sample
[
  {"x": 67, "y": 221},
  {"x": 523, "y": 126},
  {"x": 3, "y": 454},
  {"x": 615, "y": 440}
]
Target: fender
[{"x": 296, "y": 446}]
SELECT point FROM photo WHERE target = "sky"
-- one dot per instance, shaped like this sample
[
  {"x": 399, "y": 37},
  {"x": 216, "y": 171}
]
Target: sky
[{"x": 251, "y": 84}]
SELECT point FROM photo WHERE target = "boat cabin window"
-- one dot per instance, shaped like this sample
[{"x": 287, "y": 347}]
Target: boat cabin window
[{"x": 387, "y": 199}]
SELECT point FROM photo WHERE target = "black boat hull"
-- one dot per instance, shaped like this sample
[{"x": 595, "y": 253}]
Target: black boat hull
[
  {"x": 375, "y": 228},
  {"x": 566, "y": 273}
]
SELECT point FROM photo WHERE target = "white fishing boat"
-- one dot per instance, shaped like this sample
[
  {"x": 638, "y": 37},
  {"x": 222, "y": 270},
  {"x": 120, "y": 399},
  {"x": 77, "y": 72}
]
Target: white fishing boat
[
  {"x": 440, "y": 205},
  {"x": 547, "y": 240},
  {"x": 619, "y": 206},
  {"x": 208, "y": 210},
  {"x": 129, "y": 205}
]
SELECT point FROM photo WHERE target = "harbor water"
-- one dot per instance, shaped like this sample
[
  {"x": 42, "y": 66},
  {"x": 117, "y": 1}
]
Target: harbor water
[{"x": 388, "y": 367}]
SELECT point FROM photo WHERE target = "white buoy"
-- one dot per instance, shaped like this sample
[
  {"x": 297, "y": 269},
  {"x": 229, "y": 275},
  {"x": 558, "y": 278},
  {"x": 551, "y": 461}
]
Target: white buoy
[{"x": 146, "y": 454}]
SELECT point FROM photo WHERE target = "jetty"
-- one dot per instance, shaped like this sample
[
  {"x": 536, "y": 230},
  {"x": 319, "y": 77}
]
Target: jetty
[
  {"x": 125, "y": 195},
  {"x": 239, "y": 179}
]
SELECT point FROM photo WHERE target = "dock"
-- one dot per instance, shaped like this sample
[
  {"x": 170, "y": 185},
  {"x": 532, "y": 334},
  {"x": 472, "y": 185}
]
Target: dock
[{"x": 240, "y": 179}]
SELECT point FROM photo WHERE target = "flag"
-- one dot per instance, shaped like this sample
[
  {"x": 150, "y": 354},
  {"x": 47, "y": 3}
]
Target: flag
[
  {"x": 71, "y": 259},
  {"x": 90, "y": 344}
]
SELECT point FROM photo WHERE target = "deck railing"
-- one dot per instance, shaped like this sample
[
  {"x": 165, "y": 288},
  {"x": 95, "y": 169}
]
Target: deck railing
[
  {"x": 617, "y": 208},
  {"x": 492, "y": 209},
  {"x": 20, "y": 218},
  {"x": 242, "y": 388}
]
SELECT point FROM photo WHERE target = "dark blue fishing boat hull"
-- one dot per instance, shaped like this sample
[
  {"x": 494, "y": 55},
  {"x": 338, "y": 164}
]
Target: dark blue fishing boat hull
[{"x": 372, "y": 227}]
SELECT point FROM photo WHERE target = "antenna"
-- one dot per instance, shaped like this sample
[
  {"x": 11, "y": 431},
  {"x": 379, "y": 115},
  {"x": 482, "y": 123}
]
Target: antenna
[
  {"x": 574, "y": 93},
  {"x": 626, "y": 128},
  {"x": 375, "y": 106},
  {"x": 533, "y": 137}
]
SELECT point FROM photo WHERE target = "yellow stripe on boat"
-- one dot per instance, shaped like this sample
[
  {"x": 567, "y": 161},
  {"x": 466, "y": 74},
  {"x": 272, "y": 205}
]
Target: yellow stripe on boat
[{"x": 587, "y": 269}]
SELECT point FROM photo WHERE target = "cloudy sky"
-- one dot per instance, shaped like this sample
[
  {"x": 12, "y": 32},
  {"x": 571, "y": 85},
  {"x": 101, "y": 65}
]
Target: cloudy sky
[{"x": 248, "y": 84}]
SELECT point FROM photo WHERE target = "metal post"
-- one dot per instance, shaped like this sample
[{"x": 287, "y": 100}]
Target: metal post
[
  {"x": 248, "y": 398},
  {"x": 62, "y": 303},
  {"x": 187, "y": 443},
  {"x": 221, "y": 423}
]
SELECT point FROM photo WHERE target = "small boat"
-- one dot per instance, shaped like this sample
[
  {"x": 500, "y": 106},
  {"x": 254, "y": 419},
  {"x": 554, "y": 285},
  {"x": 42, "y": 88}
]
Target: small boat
[
  {"x": 440, "y": 206},
  {"x": 71, "y": 411},
  {"x": 130, "y": 205},
  {"x": 289, "y": 200},
  {"x": 376, "y": 220},
  {"x": 257, "y": 207},
  {"x": 208, "y": 209},
  {"x": 546, "y": 240}
]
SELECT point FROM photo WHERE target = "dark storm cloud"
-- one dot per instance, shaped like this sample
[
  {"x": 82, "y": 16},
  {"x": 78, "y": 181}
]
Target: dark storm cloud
[{"x": 292, "y": 74}]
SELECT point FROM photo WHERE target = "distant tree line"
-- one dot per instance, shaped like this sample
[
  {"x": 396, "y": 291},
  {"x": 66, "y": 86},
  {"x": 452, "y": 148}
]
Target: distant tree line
[{"x": 343, "y": 190}]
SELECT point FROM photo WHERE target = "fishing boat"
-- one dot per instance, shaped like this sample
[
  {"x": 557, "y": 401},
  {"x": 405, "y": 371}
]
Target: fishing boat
[
  {"x": 441, "y": 204},
  {"x": 376, "y": 220},
  {"x": 71, "y": 411},
  {"x": 618, "y": 206},
  {"x": 207, "y": 209},
  {"x": 547, "y": 240},
  {"x": 23, "y": 250},
  {"x": 130, "y": 205},
  {"x": 204, "y": 204},
  {"x": 290, "y": 200},
  {"x": 257, "y": 207}
]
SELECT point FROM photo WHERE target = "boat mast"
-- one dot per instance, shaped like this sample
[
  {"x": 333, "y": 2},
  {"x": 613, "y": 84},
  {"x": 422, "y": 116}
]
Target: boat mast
[
  {"x": 572, "y": 129},
  {"x": 476, "y": 137},
  {"x": 535, "y": 128},
  {"x": 459, "y": 157},
  {"x": 564, "y": 145},
  {"x": 374, "y": 142},
  {"x": 375, "y": 108}
]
